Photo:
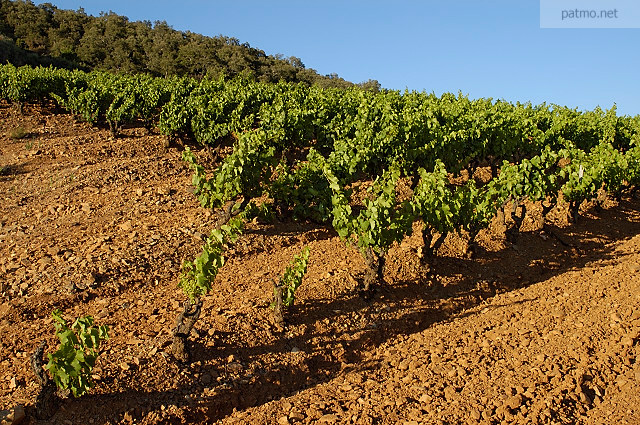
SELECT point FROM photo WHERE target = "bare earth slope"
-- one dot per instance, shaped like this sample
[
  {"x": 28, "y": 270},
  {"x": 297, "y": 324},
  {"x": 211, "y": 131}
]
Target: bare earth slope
[{"x": 546, "y": 331}]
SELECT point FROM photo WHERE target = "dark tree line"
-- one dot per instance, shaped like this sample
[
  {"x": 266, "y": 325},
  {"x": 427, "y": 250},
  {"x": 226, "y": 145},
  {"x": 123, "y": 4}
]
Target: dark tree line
[{"x": 46, "y": 35}]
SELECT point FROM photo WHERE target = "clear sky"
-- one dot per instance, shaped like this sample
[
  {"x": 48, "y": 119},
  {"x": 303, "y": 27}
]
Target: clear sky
[{"x": 481, "y": 48}]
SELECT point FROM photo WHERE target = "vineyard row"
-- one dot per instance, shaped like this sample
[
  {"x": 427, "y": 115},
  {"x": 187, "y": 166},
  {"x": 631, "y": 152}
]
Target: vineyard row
[{"x": 307, "y": 153}]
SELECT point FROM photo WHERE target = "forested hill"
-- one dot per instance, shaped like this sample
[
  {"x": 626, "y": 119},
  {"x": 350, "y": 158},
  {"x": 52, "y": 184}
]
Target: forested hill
[{"x": 46, "y": 35}]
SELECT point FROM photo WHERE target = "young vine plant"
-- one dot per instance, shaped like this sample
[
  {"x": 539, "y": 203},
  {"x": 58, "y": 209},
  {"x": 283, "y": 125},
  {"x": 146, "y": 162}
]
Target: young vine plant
[
  {"x": 292, "y": 277},
  {"x": 197, "y": 276},
  {"x": 71, "y": 364}
]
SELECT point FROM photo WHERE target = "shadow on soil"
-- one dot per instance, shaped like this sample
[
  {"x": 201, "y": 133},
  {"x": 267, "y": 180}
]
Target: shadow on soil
[
  {"x": 8, "y": 171},
  {"x": 353, "y": 328}
]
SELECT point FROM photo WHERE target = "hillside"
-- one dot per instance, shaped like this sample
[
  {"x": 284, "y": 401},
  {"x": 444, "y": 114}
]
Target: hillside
[
  {"x": 543, "y": 331},
  {"x": 45, "y": 35}
]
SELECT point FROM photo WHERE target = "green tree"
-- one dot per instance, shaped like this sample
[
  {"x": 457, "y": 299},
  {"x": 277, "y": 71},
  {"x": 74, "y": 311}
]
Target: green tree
[
  {"x": 162, "y": 53},
  {"x": 371, "y": 85},
  {"x": 109, "y": 43},
  {"x": 66, "y": 32},
  {"x": 30, "y": 25},
  {"x": 6, "y": 30}
]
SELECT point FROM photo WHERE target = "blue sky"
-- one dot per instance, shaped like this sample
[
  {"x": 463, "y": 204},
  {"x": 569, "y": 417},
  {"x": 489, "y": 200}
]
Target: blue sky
[{"x": 482, "y": 48}]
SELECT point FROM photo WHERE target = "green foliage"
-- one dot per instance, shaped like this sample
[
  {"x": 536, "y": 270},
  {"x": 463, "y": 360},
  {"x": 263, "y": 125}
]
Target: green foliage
[
  {"x": 176, "y": 114},
  {"x": 263, "y": 212},
  {"x": 292, "y": 277},
  {"x": 303, "y": 149},
  {"x": 604, "y": 167},
  {"x": 304, "y": 192},
  {"x": 222, "y": 108},
  {"x": 381, "y": 221},
  {"x": 27, "y": 84},
  {"x": 433, "y": 199},
  {"x": 197, "y": 276},
  {"x": 71, "y": 364},
  {"x": 244, "y": 172}
]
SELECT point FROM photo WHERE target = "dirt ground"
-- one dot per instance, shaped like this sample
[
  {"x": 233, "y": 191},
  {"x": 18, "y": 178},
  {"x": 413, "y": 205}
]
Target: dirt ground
[{"x": 543, "y": 331}]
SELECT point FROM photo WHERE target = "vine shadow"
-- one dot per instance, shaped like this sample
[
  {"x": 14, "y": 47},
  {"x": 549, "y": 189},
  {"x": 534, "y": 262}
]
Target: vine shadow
[{"x": 452, "y": 288}]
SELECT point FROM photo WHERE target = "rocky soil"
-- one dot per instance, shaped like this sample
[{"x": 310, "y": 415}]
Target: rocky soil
[{"x": 543, "y": 331}]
